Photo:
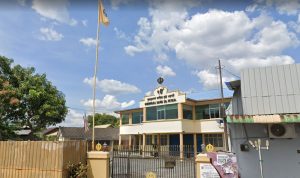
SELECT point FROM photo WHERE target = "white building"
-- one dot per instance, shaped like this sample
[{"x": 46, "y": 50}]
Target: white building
[{"x": 169, "y": 118}]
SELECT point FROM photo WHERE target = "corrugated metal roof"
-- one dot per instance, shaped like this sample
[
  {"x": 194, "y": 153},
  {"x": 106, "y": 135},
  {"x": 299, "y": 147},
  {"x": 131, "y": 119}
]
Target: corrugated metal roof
[{"x": 271, "y": 90}]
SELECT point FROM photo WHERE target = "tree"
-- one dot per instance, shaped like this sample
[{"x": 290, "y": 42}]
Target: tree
[
  {"x": 28, "y": 99},
  {"x": 101, "y": 119}
]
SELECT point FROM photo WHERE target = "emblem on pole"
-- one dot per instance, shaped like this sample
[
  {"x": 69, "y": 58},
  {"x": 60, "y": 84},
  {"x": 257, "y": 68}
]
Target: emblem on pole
[{"x": 160, "y": 80}]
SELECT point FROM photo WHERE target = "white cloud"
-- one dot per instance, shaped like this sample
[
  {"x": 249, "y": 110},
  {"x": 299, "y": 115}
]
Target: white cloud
[
  {"x": 48, "y": 34},
  {"x": 148, "y": 93},
  {"x": 84, "y": 23},
  {"x": 121, "y": 35},
  {"x": 88, "y": 41},
  {"x": 54, "y": 10},
  {"x": 22, "y": 2},
  {"x": 211, "y": 80},
  {"x": 73, "y": 119},
  {"x": 116, "y": 3},
  {"x": 109, "y": 103},
  {"x": 113, "y": 86},
  {"x": 202, "y": 38},
  {"x": 165, "y": 71}
]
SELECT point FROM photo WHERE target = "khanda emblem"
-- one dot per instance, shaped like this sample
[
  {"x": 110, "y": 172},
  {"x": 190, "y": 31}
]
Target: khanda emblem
[{"x": 104, "y": 12}]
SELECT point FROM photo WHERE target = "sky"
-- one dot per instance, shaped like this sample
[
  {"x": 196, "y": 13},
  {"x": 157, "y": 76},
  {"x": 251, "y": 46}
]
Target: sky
[{"x": 179, "y": 40}]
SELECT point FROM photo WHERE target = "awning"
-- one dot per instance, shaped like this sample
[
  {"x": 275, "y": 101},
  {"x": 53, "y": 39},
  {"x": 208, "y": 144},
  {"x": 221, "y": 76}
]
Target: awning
[{"x": 286, "y": 118}]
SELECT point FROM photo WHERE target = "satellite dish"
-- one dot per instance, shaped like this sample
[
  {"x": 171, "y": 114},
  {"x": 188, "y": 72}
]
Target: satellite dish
[{"x": 278, "y": 130}]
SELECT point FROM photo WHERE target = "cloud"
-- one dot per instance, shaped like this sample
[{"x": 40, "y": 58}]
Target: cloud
[
  {"x": 148, "y": 93},
  {"x": 201, "y": 39},
  {"x": 121, "y": 35},
  {"x": 211, "y": 80},
  {"x": 88, "y": 41},
  {"x": 112, "y": 86},
  {"x": 165, "y": 71},
  {"x": 49, "y": 34},
  {"x": 116, "y": 3},
  {"x": 73, "y": 119},
  {"x": 54, "y": 10},
  {"x": 109, "y": 103},
  {"x": 84, "y": 23},
  {"x": 22, "y": 2}
]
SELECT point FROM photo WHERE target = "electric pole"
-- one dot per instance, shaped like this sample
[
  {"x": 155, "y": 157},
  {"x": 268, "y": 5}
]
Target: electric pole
[{"x": 222, "y": 108}]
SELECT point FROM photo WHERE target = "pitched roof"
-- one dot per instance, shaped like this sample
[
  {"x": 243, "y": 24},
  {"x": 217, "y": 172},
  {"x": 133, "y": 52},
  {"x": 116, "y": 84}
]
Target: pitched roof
[{"x": 100, "y": 133}]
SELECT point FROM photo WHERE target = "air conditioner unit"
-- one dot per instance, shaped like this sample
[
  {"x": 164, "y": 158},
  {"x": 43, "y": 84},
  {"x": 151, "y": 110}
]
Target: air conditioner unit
[{"x": 282, "y": 131}]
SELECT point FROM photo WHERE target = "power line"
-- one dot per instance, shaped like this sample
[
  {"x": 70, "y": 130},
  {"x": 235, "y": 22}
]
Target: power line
[{"x": 231, "y": 73}]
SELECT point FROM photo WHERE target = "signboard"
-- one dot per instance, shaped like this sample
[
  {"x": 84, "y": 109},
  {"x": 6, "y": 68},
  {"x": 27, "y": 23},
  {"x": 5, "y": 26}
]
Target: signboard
[
  {"x": 208, "y": 171},
  {"x": 161, "y": 96},
  {"x": 225, "y": 163}
]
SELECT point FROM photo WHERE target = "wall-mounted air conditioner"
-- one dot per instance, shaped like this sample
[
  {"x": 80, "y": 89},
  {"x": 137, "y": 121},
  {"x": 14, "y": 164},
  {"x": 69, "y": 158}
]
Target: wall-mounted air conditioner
[{"x": 282, "y": 131}]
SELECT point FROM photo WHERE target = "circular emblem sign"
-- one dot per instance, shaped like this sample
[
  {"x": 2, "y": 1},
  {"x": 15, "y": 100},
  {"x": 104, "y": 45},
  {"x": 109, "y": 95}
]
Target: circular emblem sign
[
  {"x": 150, "y": 175},
  {"x": 98, "y": 147},
  {"x": 210, "y": 148}
]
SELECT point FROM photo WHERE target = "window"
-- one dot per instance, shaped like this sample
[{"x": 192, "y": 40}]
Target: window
[
  {"x": 214, "y": 110},
  {"x": 187, "y": 112},
  {"x": 215, "y": 139},
  {"x": 148, "y": 139},
  {"x": 137, "y": 117},
  {"x": 163, "y": 139},
  {"x": 162, "y": 112},
  {"x": 202, "y": 112},
  {"x": 125, "y": 119}
]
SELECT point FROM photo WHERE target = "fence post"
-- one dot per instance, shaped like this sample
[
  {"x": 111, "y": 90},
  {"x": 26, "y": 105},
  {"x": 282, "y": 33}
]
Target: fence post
[
  {"x": 98, "y": 164},
  {"x": 201, "y": 158}
]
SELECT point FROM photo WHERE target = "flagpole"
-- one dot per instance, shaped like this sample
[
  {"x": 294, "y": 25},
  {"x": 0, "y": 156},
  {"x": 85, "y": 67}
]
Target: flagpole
[{"x": 95, "y": 74}]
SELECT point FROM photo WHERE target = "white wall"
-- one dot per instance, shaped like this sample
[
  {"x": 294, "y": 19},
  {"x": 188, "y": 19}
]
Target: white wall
[
  {"x": 172, "y": 126},
  {"x": 280, "y": 161}
]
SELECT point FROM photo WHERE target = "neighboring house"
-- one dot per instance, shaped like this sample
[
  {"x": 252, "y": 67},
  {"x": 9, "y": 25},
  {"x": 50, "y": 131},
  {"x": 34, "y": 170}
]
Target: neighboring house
[
  {"x": 266, "y": 106},
  {"x": 169, "y": 118},
  {"x": 107, "y": 135}
]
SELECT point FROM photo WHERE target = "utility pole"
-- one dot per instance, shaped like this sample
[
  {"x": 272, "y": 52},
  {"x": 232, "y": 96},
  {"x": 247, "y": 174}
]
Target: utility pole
[{"x": 222, "y": 108}]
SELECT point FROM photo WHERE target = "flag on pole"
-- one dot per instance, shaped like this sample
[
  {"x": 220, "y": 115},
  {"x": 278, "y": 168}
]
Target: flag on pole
[
  {"x": 102, "y": 14},
  {"x": 85, "y": 123}
]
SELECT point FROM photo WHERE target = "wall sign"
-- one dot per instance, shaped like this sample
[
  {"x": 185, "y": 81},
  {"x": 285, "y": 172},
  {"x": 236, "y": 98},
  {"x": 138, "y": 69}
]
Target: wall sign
[
  {"x": 161, "y": 96},
  {"x": 208, "y": 171}
]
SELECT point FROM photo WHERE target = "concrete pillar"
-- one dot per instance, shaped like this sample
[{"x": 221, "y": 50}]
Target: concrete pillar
[
  {"x": 201, "y": 159},
  {"x": 98, "y": 164},
  {"x": 180, "y": 111},
  {"x": 158, "y": 139},
  {"x": 144, "y": 144},
  {"x": 181, "y": 145},
  {"x": 130, "y": 118},
  {"x": 129, "y": 141},
  {"x": 120, "y": 140},
  {"x": 152, "y": 139},
  {"x": 194, "y": 112},
  {"x": 195, "y": 144},
  {"x": 120, "y": 119}
]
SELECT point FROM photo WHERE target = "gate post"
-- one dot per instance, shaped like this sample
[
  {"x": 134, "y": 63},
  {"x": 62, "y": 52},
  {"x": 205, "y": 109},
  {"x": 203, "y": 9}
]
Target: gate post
[
  {"x": 201, "y": 158},
  {"x": 98, "y": 164}
]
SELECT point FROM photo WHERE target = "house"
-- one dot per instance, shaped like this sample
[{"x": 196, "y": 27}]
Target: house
[
  {"x": 107, "y": 135},
  {"x": 169, "y": 118},
  {"x": 266, "y": 106}
]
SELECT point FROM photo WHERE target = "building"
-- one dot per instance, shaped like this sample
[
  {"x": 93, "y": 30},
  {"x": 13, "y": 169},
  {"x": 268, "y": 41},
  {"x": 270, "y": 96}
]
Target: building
[
  {"x": 107, "y": 135},
  {"x": 266, "y": 106},
  {"x": 168, "y": 118}
]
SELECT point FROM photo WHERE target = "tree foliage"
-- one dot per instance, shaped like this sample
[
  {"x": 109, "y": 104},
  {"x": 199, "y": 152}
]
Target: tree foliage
[
  {"x": 27, "y": 99},
  {"x": 101, "y": 119}
]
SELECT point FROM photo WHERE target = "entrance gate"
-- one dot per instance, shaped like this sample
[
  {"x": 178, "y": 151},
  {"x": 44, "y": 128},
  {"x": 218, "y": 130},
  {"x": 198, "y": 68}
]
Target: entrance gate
[{"x": 163, "y": 161}]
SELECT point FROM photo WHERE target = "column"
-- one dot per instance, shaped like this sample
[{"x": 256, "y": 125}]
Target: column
[
  {"x": 181, "y": 145},
  {"x": 120, "y": 119},
  {"x": 120, "y": 140},
  {"x": 129, "y": 141},
  {"x": 152, "y": 139},
  {"x": 144, "y": 143},
  {"x": 180, "y": 111},
  {"x": 98, "y": 164},
  {"x": 195, "y": 144},
  {"x": 130, "y": 118},
  {"x": 194, "y": 112}
]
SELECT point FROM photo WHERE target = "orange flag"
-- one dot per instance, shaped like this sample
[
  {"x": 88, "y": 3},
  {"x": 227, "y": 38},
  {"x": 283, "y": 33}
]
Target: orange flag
[{"x": 102, "y": 14}]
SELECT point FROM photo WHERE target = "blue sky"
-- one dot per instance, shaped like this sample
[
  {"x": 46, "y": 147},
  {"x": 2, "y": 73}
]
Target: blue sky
[{"x": 180, "y": 40}]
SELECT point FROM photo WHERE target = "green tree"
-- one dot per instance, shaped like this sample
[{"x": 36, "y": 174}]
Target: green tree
[
  {"x": 101, "y": 119},
  {"x": 28, "y": 99}
]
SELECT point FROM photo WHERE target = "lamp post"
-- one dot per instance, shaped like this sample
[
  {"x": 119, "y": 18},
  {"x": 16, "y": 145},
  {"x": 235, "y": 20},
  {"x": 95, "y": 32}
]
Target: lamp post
[{"x": 257, "y": 145}]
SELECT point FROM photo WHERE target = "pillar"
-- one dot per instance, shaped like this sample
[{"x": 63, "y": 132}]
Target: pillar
[
  {"x": 120, "y": 140},
  {"x": 98, "y": 164},
  {"x": 144, "y": 144},
  {"x": 181, "y": 145},
  {"x": 201, "y": 159},
  {"x": 194, "y": 112},
  {"x": 129, "y": 141},
  {"x": 195, "y": 144},
  {"x": 130, "y": 118},
  {"x": 180, "y": 111}
]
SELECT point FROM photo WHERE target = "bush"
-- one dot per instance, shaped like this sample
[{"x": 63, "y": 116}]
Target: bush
[{"x": 78, "y": 170}]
